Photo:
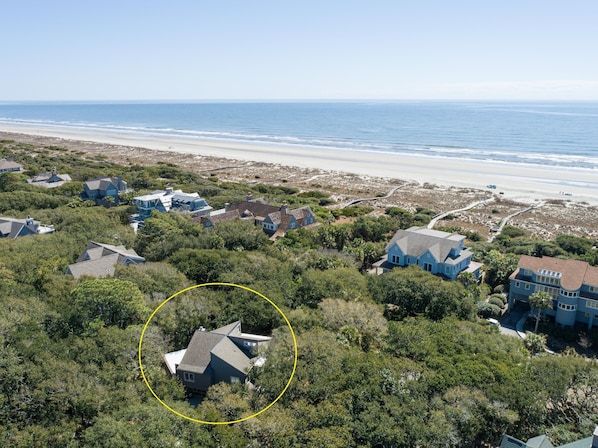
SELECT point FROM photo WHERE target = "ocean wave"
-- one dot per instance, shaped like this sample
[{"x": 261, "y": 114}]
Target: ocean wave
[{"x": 343, "y": 144}]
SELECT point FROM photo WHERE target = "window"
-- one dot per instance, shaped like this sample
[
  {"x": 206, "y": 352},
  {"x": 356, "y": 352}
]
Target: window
[
  {"x": 447, "y": 269},
  {"x": 190, "y": 377},
  {"x": 527, "y": 286},
  {"x": 249, "y": 343},
  {"x": 592, "y": 304},
  {"x": 593, "y": 288},
  {"x": 567, "y": 307},
  {"x": 517, "y": 284},
  {"x": 235, "y": 379}
]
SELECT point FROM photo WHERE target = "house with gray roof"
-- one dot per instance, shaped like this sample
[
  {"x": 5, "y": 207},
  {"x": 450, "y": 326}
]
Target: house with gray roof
[
  {"x": 225, "y": 354},
  {"x": 543, "y": 442},
  {"x": 437, "y": 252},
  {"x": 170, "y": 200},
  {"x": 100, "y": 260},
  {"x": 10, "y": 166},
  {"x": 49, "y": 180},
  {"x": 101, "y": 188},
  {"x": 15, "y": 228}
]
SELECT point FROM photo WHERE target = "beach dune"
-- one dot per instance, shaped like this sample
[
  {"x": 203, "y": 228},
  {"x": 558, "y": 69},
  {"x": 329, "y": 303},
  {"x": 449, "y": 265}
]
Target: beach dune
[{"x": 516, "y": 180}]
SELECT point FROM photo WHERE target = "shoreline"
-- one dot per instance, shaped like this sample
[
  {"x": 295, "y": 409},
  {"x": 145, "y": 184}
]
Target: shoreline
[{"x": 518, "y": 181}]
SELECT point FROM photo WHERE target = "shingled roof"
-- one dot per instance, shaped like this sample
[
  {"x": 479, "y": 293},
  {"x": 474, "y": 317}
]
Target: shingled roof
[
  {"x": 100, "y": 260},
  {"x": 415, "y": 241},
  {"x": 574, "y": 273}
]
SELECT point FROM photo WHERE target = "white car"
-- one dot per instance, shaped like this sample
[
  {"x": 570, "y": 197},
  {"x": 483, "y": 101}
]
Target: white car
[{"x": 493, "y": 322}]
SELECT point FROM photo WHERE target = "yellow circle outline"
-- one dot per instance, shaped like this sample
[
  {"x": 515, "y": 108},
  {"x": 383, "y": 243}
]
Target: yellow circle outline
[{"x": 218, "y": 284}]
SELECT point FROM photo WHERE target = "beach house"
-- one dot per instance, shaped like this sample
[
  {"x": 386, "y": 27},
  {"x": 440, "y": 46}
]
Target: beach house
[
  {"x": 222, "y": 355},
  {"x": 49, "y": 180},
  {"x": 275, "y": 221},
  {"x": 10, "y": 166},
  {"x": 573, "y": 285},
  {"x": 170, "y": 200},
  {"x": 437, "y": 252},
  {"x": 100, "y": 260},
  {"x": 15, "y": 228},
  {"x": 100, "y": 189}
]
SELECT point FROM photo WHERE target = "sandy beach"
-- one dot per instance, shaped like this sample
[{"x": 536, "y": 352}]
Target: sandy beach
[{"x": 517, "y": 181}]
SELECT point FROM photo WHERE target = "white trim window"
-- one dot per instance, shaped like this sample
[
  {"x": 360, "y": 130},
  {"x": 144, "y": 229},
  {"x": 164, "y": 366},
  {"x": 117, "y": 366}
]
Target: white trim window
[
  {"x": 592, "y": 304},
  {"x": 189, "y": 377},
  {"x": 566, "y": 307}
]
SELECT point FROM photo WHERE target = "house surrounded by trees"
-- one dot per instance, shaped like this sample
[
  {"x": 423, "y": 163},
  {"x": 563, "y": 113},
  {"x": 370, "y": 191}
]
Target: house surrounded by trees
[
  {"x": 222, "y": 355},
  {"x": 573, "y": 285},
  {"x": 437, "y": 252},
  {"x": 100, "y": 189},
  {"x": 100, "y": 260},
  {"x": 170, "y": 200},
  {"x": 275, "y": 221}
]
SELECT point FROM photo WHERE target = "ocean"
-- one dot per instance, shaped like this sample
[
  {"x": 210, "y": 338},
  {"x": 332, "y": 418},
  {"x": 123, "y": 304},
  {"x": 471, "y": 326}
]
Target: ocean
[{"x": 546, "y": 133}]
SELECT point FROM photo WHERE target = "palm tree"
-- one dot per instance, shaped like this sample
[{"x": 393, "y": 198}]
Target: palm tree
[{"x": 540, "y": 301}]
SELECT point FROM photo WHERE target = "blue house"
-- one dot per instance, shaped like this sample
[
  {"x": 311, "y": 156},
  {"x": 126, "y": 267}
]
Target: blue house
[
  {"x": 99, "y": 189},
  {"x": 543, "y": 442},
  {"x": 166, "y": 200},
  {"x": 573, "y": 285},
  {"x": 437, "y": 252}
]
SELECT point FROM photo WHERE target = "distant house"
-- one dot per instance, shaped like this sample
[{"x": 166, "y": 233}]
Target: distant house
[
  {"x": 275, "y": 221},
  {"x": 10, "y": 166},
  {"x": 14, "y": 228},
  {"x": 100, "y": 260},
  {"x": 543, "y": 442},
  {"x": 49, "y": 180},
  {"x": 573, "y": 285},
  {"x": 222, "y": 355},
  {"x": 99, "y": 189},
  {"x": 171, "y": 200},
  {"x": 437, "y": 252}
]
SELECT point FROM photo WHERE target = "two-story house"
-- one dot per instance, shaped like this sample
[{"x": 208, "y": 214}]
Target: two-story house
[
  {"x": 437, "y": 252},
  {"x": 275, "y": 221},
  {"x": 101, "y": 188},
  {"x": 222, "y": 355},
  {"x": 573, "y": 285},
  {"x": 171, "y": 200}
]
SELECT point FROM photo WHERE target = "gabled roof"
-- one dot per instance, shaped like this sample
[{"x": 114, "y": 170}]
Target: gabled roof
[
  {"x": 574, "y": 273},
  {"x": 103, "y": 183},
  {"x": 14, "y": 228},
  {"x": 198, "y": 356},
  {"x": 256, "y": 208},
  {"x": 10, "y": 165},
  {"x": 228, "y": 352},
  {"x": 415, "y": 241},
  {"x": 100, "y": 260},
  {"x": 218, "y": 343}
]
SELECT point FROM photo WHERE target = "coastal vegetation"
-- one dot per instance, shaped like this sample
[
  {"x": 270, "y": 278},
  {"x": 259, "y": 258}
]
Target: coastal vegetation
[{"x": 399, "y": 360}]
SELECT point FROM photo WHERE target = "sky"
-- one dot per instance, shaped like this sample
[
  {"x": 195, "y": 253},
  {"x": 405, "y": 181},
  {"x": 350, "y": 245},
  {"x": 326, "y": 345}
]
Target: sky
[{"x": 278, "y": 50}]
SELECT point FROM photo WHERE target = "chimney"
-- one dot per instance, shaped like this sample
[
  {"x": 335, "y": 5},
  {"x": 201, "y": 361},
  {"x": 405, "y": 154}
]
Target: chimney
[
  {"x": 226, "y": 206},
  {"x": 284, "y": 207},
  {"x": 169, "y": 190},
  {"x": 249, "y": 196},
  {"x": 29, "y": 220},
  {"x": 595, "y": 438},
  {"x": 54, "y": 172},
  {"x": 201, "y": 328}
]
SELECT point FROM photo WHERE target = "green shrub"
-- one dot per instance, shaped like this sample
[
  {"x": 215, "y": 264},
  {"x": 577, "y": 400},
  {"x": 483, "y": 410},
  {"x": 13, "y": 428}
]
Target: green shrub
[
  {"x": 486, "y": 310},
  {"x": 496, "y": 301}
]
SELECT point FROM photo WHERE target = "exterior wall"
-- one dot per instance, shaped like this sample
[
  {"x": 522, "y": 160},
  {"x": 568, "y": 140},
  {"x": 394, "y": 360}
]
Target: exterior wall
[
  {"x": 428, "y": 263},
  {"x": 224, "y": 372},
  {"x": 201, "y": 382}
]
